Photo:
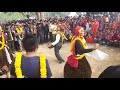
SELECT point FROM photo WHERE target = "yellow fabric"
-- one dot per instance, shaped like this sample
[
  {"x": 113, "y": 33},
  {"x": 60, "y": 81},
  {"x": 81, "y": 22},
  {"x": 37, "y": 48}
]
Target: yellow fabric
[
  {"x": 20, "y": 30},
  {"x": 58, "y": 28},
  {"x": 17, "y": 64},
  {"x": 3, "y": 43},
  {"x": 83, "y": 43},
  {"x": 11, "y": 35},
  {"x": 53, "y": 32},
  {"x": 63, "y": 36},
  {"x": 18, "y": 69},
  {"x": 43, "y": 69}
]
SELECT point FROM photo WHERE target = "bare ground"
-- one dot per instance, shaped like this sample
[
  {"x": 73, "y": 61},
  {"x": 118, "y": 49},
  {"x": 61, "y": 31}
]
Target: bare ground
[{"x": 97, "y": 66}]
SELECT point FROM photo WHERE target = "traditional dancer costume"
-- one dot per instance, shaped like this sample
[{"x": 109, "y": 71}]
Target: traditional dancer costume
[
  {"x": 77, "y": 65},
  {"x": 30, "y": 67},
  {"x": 58, "y": 41},
  {"x": 5, "y": 55}
]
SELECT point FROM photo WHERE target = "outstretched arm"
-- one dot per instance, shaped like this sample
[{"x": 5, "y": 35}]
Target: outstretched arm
[{"x": 80, "y": 49}]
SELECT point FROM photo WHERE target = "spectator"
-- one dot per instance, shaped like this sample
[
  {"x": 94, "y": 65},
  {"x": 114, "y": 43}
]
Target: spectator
[{"x": 30, "y": 65}]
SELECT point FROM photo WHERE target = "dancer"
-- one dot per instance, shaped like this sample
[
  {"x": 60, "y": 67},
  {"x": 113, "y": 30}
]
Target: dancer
[
  {"x": 6, "y": 56},
  {"x": 77, "y": 65},
  {"x": 57, "y": 44}
]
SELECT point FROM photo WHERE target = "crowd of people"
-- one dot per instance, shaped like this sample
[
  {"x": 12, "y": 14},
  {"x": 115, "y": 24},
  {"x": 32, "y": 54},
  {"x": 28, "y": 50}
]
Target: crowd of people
[
  {"x": 100, "y": 29},
  {"x": 29, "y": 33}
]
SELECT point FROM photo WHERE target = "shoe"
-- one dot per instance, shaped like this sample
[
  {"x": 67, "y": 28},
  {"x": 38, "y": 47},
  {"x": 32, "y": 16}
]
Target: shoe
[
  {"x": 60, "y": 62},
  {"x": 63, "y": 61}
]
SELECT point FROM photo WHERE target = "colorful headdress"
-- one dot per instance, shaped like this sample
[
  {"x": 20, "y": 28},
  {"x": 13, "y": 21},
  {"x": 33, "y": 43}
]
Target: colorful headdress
[{"x": 78, "y": 30}]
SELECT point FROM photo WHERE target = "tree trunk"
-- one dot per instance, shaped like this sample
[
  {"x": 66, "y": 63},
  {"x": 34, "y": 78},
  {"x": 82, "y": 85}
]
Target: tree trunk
[{"x": 40, "y": 15}]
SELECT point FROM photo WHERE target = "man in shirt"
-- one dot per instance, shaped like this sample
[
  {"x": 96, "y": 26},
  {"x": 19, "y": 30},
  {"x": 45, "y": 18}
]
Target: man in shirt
[
  {"x": 10, "y": 39},
  {"x": 31, "y": 62},
  {"x": 57, "y": 44},
  {"x": 19, "y": 34}
]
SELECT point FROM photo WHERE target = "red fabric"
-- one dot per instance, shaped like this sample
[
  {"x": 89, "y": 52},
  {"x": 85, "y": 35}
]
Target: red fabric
[
  {"x": 85, "y": 21},
  {"x": 89, "y": 40},
  {"x": 5, "y": 37},
  {"x": 95, "y": 26},
  {"x": 114, "y": 25},
  {"x": 71, "y": 60},
  {"x": 76, "y": 30}
]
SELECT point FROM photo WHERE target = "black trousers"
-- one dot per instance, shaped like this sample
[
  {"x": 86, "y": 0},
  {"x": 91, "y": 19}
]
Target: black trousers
[
  {"x": 51, "y": 36},
  {"x": 46, "y": 36},
  {"x": 17, "y": 46},
  {"x": 57, "y": 54},
  {"x": 11, "y": 45}
]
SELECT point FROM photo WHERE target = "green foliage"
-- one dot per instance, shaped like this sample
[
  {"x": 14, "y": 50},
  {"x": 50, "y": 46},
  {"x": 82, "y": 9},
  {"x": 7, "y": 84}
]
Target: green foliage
[
  {"x": 54, "y": 14},
  {"x": 9, "y": 16}
]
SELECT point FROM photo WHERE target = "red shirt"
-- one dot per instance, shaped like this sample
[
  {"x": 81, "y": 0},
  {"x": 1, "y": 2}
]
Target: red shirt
[
  {"x": 95, "y": 26},
  {"x": 85, "y": 21},
  {"x": 114, "y": 25}
]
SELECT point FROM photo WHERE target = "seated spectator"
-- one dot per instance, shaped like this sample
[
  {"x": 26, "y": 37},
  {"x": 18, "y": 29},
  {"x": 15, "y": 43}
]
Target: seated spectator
[
  {"x": 89, "y": 38},
  {"x": 113, "y": 40},
  {"x": 104, "y": 39}
]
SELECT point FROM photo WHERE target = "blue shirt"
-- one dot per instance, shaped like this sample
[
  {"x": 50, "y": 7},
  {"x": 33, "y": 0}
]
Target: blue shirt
[{"x": 31, "y": 67}]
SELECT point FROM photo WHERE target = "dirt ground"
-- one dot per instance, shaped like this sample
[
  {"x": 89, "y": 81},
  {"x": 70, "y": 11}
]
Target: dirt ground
[{"x": 97, "y": 66}]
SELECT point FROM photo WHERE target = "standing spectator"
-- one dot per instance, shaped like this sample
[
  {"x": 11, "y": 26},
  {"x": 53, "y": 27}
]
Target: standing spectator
[
  {"x": 95, "y": 26},
  {"x": 19, "y": 33},
  {"x": 30, "y": 65},
  {"x": 10, "y": 39},
  {"x": 40, "y": 33},
  {"x": 50, "y": 31},
  {"x": 46, "y": 31}
]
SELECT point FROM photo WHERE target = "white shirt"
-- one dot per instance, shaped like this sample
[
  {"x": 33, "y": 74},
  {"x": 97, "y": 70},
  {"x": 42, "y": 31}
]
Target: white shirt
[
  {"x": 87, "y": 27},
  {"x": 57, "y": 40},
  {"x": 50, "y": 29}
]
